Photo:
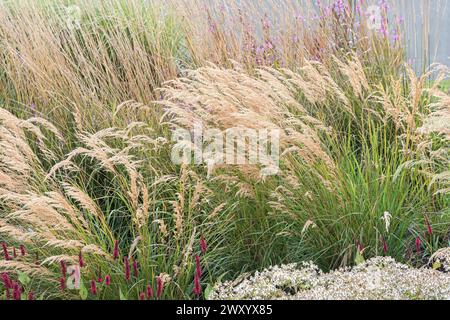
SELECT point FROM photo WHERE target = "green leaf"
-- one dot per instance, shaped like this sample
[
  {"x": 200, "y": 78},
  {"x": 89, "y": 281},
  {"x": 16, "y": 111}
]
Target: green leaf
[
  {"x": 121, "y": 295},
  {"x": 24, "y": 278},
  {"x": 83, "y": 291},
  {"x": 437, "y": 265},
  {"x": 24, "y": 296},
  {"x": 208, "y": 291},
  {"x": 359, "y": 259}
]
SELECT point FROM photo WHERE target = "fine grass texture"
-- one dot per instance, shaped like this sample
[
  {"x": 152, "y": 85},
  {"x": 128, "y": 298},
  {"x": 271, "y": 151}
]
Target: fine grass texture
[{"x": 90, "y": 92}]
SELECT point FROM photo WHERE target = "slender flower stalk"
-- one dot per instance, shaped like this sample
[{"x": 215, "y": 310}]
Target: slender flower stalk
[
  {"x": 5, "y": 251},
  {"x": 116, "y": 250},
  {"x": 135, "y": 268},
  {"x": 203, "y": 246},
  {"x": 93, "y": 287},
  {"x": 197, "y": 287},
  {"x": 418, "y": 244},
  {"x": 160, "y": 287},
  {"x": 127, "y": 268},
  {"x": 429, "y": 228},
  {"x": 23, "y": 252},
  {"x": 63, "y": 269},
  {"x": 149, "y": 292},
  {"x": 198, "y": 267},
  {"x": 62, "y": 284},
  {"x": 17, "y": 292},
  {"x": 80, "y": 260}
]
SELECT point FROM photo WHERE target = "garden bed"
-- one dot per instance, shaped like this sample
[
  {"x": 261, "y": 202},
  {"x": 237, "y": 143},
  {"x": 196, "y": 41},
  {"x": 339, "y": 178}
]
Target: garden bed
[{"x": 376, "y": 279}]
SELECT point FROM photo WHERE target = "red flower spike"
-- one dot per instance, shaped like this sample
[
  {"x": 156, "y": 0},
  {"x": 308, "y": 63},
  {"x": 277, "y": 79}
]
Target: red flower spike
[
  {"x": 30, "y": 296},
  {"x": 127, "y": 269},
  {"x": 418, "y": 244},
  {"x": 429, "y": 228},
  {"x": 149, "y": 292},
  {"x": 62, "y": 284},
  {"x": 80, "y": 260},
  {"x": 93, "y": 288},
  {"x": 14, "y": 253},
  {"x": 107, "y": 280},
  {"x": 17, "y": 292},
  {"x": 385, "y": 247},
  {"x": 142, "y": 296},
  {"x": 198, "y": 267},
  {"x": 116, "y": 250},
  {"x": 203, "y": 246},
  {"x": 197, "y": 287},
  {"x": 135, "y": 268},
  {"x": 63, "y": 269},
  {"x": 5, "y": 251},
  {"x": 160, "y": 287},
  {"x": 22, "y": 250}
]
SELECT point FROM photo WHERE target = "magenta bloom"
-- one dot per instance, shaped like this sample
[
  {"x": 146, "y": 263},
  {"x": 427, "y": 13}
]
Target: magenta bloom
[
  {"x": 203, "y": 246},
  {"x": 135, "y": 268},
  {"x": 116, "y": 250},
  {"x": 14, "y": 252},
  {"x": 93, "y": 288},
  {"x": 80, "y": 260},
  {"x": 100, "y": 279},
  {"x": 17, "y": 292},
  {"x": 429, "y": 228},
  {"x": 5, "y": 251},
  {"x": 198, "y": 267},
  {"x": 127, "y": 268},
  {"x": 63, "y": 269},
  {"x": 30, "y": 295},
  {"x": 62, "y": 284},
  {"x": 197, "y": 287},
  {"x": 142, "y": 296},
  {"x": 107, "y": 280},
  {"x": 22, "y": 250},
  {"x": 149, "y": 292},
  {"x": 418, "y": 244},
  {"x": 160, "y": 287},
  {"x": 385, "y": 247}
]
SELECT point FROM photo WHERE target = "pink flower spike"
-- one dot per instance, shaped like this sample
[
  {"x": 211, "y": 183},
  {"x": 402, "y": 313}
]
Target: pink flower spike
[
  {"x": 22, "y": 250},
  {"x": 127, "y": 268},
  {"x": 142, "y": 296},
  {"x": 30, "y": 296},
  {"x": 80, "y": 260},
  {"x": 198, "y": 267},
  {"x": 93, "y": 288},
  {"x": 5, "y": 251},
  {"x": 149, "y": 292},
  {"x": 197, "y": 287},
  {"x": 203, "y": 246},
  {"x": 160, "y": 287},
  {"x": 14, "y": 253},
  {"x": 135, "y": 268},
  {"x": 385, "y": 247},
  {"x": 429, "y": 228},
  {"x": 418, "y": 244},
  {"x": 63, "y": 269},
  {"x": 17, "y": 292},
  {"x": 62, "y": 284},
  {"x": 107, "y": 280},
  {"x": 116, "y": 250}
]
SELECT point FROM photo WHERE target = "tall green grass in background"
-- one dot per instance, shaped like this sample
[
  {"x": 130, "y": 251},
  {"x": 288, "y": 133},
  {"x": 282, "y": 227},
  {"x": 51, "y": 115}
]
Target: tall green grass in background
[{"x": 89, "y": 93}]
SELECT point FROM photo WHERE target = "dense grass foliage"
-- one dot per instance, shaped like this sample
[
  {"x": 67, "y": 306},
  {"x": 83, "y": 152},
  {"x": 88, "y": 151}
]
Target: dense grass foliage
[{"x": 90, "y": 92}]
